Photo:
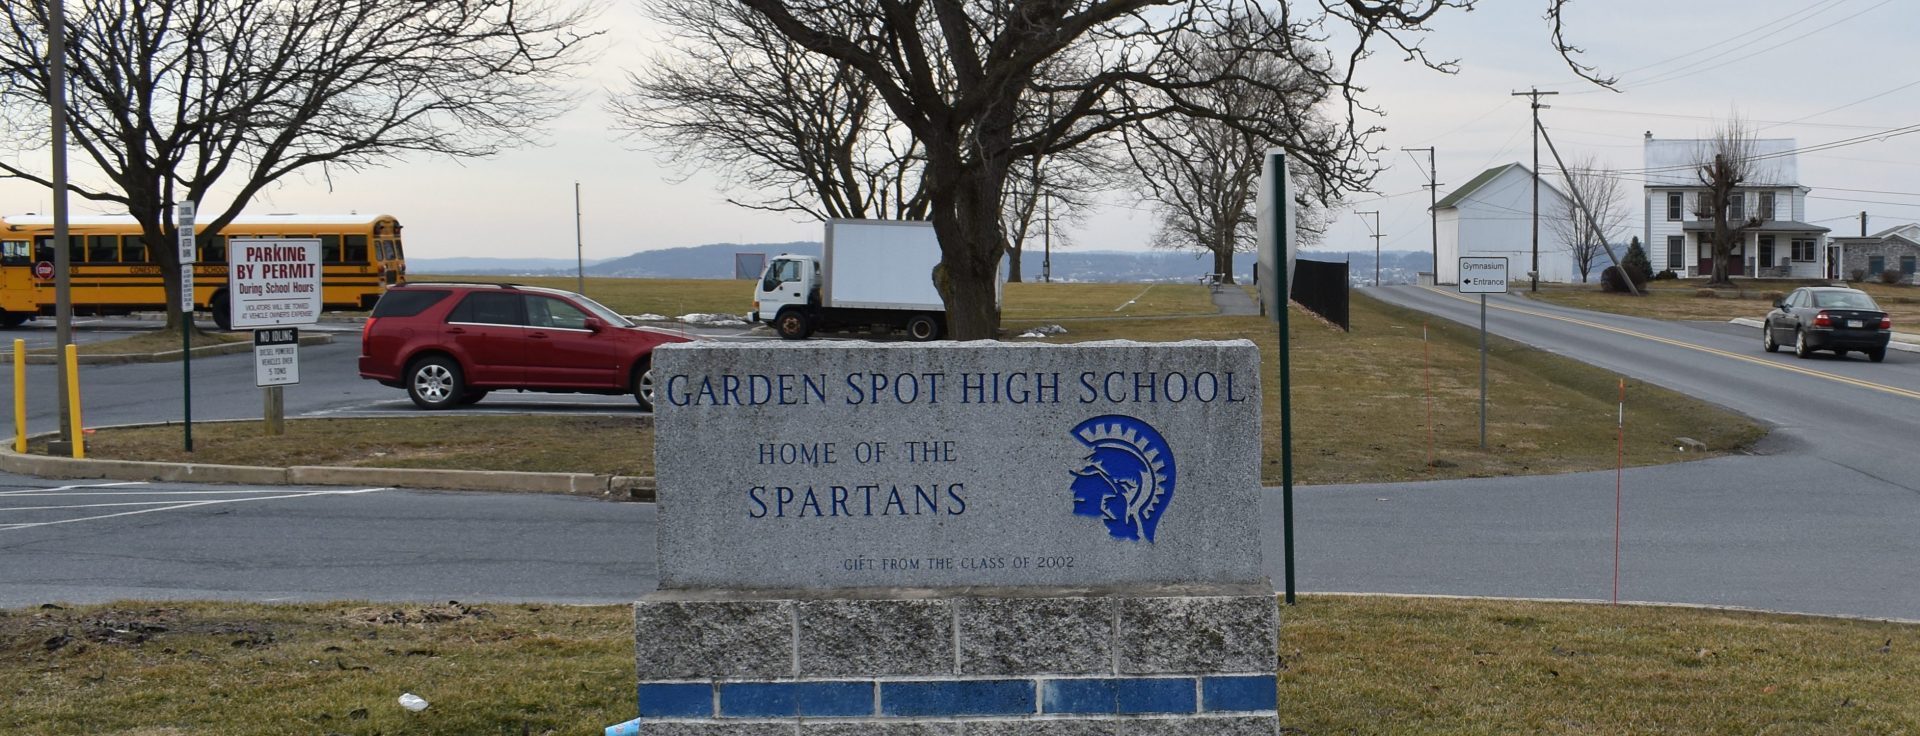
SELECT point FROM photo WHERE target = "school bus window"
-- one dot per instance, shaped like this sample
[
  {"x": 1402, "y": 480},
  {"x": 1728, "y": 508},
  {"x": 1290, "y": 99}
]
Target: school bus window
[
  {"x": 215, "y": 252},
  {"x": 43, "y": 248},
  {"x": 103, "y": 249},
  {"x": 329, "y": 249},
  {"x": 354, "y": 249},
  {"x": 16, "y": 253},
  {"x": 76, "y": 249},
  {"x": 133, "y": 248}
]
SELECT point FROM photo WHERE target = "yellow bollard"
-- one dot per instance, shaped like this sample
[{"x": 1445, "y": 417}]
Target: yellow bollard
[
  {"x": 73, "y": 401},
  {"x": 20, "y": 396}
]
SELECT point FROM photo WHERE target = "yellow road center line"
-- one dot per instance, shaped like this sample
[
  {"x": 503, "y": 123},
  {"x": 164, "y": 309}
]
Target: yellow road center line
[{"x": 1881, "y": 387}]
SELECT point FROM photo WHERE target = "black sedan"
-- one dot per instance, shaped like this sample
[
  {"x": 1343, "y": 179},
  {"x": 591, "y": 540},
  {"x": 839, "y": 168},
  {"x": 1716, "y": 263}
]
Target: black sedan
[{"x": 1828, "y": 318}]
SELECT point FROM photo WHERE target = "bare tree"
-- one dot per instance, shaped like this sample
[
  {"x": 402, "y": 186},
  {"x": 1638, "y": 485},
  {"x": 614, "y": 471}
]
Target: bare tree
[
  {"x": 170, "y": 98},
  {"x": 1064, "y": 189},
  {"x": 954, "y": 72},
  {"x": 1587, "y": 238},
  {"x": 1202, "y": 174},
  {"x": 1724, "y": 162},
  {"x": 798, "y": 130}
]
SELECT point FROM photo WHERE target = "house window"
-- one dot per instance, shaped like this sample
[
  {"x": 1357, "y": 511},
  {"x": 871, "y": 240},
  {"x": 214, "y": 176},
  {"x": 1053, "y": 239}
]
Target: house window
[
  {"x": 1675, "y": 209},
  {"x": 1803, "y": 251},
  {"x": 1700, "y": 209},
  {"x": 1737, "y": 206},
  {"x": 1876, "y": 264},
  {"x": 1766, "y": 206},
  {"x": 1676, "y": 251},
  {"x": 1906, "y": 265},
  {"x": 1766, "y": 251}
]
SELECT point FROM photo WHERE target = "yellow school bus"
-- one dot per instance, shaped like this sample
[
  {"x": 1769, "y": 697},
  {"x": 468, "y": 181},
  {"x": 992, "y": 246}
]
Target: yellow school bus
[{"x": 114, "y": 269}]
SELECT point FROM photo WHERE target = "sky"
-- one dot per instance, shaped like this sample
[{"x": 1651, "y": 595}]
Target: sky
[{"x": 1812, "y": 70}]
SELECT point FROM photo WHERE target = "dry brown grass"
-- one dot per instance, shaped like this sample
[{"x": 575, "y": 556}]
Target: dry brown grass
[
  {"x": 1361, "y": 401},
  {"x": 1347, "y": 666},
  {"x": 605, "y": 445}
]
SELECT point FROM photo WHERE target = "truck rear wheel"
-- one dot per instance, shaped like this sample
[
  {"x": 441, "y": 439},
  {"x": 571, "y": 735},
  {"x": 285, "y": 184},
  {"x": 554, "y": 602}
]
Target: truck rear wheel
[
  {"x": 923, "y": 327},
  {"x": 793, "y": 324}
]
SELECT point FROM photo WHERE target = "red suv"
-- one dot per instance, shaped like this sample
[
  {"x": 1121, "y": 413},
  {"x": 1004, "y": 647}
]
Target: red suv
[{"x": 448, "y": 344}]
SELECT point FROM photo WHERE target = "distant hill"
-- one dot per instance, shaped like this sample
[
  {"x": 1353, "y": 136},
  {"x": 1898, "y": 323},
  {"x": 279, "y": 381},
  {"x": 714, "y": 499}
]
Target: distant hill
[
  {"x": 492, "y": 266},
  {"x": 716, "y": 261}
]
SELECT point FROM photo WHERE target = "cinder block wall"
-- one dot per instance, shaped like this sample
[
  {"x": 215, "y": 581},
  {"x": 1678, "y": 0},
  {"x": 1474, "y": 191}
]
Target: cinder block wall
[{"x": 1045, "y": 666}]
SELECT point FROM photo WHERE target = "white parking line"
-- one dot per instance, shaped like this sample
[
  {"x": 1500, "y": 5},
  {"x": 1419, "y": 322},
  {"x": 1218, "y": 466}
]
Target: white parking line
[
  {"x": 1136, "y": 297},
  {"x": 148, "y": 493},
  {"x": 33, "y": 491},
  {"x": 190, "y": 504}
]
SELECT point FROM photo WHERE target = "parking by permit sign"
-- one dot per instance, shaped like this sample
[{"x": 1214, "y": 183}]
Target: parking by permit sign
[
  {"x": 1481, "y": 275},
  {"x": 274, "y": 282},
  {"x": 276, "y": 356}
]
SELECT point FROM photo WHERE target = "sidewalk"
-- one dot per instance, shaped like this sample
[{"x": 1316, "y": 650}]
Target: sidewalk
[{"x": 1233, "y": 301}]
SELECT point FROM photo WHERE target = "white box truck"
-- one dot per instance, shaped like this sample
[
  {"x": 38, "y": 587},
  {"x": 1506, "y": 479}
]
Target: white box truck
[{"x": 872, "y": 274}]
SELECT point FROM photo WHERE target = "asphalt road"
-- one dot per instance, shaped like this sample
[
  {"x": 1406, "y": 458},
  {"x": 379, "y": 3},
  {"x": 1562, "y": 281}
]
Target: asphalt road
[{"x": 1822, "y": 520}]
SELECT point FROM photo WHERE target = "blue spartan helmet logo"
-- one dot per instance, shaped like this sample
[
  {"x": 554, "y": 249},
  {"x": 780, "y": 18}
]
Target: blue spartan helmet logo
[{"x": 1127, "y": 478}]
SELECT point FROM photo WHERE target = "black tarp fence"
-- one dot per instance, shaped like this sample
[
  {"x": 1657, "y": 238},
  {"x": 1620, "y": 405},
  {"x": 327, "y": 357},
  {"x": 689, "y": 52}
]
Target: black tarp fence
[{"x": 1321, "y": 287}]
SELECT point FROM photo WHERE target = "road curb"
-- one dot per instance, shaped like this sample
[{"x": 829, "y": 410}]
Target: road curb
[
  {"x": 1902, "y": 341},
  {"x": 166, "y": 357},
  {"x": 610, "y": 487}
]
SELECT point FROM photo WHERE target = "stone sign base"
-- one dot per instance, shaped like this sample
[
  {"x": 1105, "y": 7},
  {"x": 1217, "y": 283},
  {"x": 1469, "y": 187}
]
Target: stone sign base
[{"x": 1043, "y": 663}]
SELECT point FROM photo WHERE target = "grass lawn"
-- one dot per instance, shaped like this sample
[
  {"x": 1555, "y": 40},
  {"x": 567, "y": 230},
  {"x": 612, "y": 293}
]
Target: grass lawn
[
  {"x": 619, "y": 445},
  {"x": 1753, "y": 299},
  {"x": 1025, "y": 300},
  {"x": 1361, "y": 404},
  {"x": 1348, "y": 665},
  {"x": 156, "y": 341},
  {"x": 1360, "y": 410}
]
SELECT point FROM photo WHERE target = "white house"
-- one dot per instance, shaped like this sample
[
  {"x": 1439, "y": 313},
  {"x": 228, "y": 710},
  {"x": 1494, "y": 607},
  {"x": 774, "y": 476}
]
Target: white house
[
  {"x": 1492, "y": 215},
  {"x": 1679, "y": 231}
]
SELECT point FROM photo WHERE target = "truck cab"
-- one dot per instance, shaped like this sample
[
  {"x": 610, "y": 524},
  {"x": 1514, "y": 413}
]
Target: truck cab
[{"x": 789, "y": 291}]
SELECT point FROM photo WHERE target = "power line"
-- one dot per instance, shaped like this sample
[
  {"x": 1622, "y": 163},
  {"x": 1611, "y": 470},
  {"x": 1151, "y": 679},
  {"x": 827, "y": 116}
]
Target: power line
[
  {"x": 1682, "y": 116},
  {"x": 1691, "y": 71},
  {"x": 1866, "y": 99}
]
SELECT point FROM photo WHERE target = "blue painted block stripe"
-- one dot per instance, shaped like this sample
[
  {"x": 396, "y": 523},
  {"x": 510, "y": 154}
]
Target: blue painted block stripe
[
  {"x": 957, "y": 698},
  {"x": 788, "y": 699},
  {"x": 1090, "y": 695},
  {"x": 676, "y": 700},
  {"x": 1240, "y": 693},
  {"x": 1155, "y": 695}
]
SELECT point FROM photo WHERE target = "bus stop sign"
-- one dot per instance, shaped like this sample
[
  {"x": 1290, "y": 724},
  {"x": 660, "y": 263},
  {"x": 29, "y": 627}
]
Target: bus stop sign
[{"x": 43, "y": 271}]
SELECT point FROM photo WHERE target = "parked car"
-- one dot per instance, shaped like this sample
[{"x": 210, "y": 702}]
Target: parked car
[
  {"x": 1828, "y": 318},
  {"x": 449, "y": 344}
]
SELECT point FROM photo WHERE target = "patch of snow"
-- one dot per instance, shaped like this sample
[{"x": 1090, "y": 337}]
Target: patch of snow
[
  {"x": 1044, "y": 330},
  {"x": 715, "y": 320},
  {"x": 648, "y": 317}
]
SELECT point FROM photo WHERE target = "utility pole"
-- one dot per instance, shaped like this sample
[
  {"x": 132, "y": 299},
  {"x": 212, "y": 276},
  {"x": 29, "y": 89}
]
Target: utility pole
[
  {"x": 579, "y": 250},
  {"x": 1433, "y": 204},
  {"x": 1533, "y": 276},
  {"x": 1046, "y": 258},
  {"x": 1376, "y": 243},
  {"x": 62, "y": 258}
]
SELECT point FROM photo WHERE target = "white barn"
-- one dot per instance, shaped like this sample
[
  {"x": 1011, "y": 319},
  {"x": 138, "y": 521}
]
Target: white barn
[{"x": 1492, "y": 216}]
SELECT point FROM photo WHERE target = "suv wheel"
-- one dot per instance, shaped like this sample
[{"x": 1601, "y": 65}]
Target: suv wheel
[
  {"x": 643, "y": 384},
  {"x": 435, "y": 383}
]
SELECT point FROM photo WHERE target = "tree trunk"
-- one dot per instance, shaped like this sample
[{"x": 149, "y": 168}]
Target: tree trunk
[
  {"x": 971, "y": 243},
  {"x": 1223, "y": 263},
  {"x": 1013, "y": 262}
]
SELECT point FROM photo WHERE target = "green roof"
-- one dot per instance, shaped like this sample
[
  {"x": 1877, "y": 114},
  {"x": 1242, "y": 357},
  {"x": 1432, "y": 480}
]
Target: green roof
[{"x": 1452, "y": 200}]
